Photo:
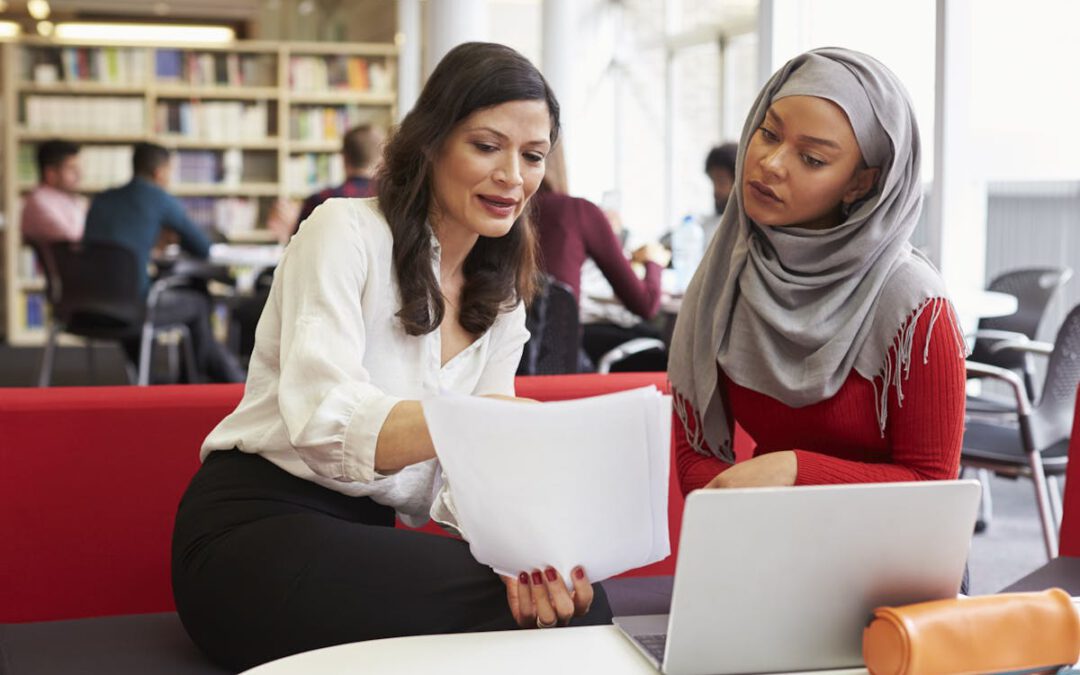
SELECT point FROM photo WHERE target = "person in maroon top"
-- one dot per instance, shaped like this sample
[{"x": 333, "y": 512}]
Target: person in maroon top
[
  {"x": 571, "y": 230},
  {"x": 812, "y": 322}
]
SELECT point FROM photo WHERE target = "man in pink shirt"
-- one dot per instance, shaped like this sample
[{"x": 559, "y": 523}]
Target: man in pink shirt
[{"x": 55, "y": 211}]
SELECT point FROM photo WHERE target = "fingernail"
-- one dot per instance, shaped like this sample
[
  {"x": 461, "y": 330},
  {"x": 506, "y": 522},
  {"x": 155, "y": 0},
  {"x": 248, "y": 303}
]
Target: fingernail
[
  {"x": 579, "y": 573},
  {"x": 537, "y": 579},
  {"x": 523, "y": 578},
  {"x": 550, "y": 574}
]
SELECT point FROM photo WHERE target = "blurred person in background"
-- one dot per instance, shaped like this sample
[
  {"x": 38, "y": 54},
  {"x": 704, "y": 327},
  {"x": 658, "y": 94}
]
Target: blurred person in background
[
  {"x": 572, "y": 231},
  {"x": 55, "y": 211}
]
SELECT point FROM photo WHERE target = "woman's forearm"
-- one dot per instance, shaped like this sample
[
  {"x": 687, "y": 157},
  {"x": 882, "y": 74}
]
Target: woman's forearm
[{"x": 403, "y": 439}]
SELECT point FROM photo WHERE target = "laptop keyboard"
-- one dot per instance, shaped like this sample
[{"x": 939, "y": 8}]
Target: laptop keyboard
[{"x": 654, "y": 644}]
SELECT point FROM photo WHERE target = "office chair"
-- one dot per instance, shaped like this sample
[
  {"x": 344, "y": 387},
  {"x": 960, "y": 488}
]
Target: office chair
[
  {"x": 1032, "y": 439},
  {"x": 93, "y": 289},
  {"x": 1034, "y": 288},
  {"x": 555, "y": 332}
]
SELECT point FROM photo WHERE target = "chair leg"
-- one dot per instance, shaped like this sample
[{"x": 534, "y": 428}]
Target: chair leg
[
  {"x": 193, "y": 374},
  {"x": 986, "y": 503},
  {"x": 1038, "y": 477},
  {"x": 1054, "y": 490},
  {"x": 174, "y": 358},
  {"x": 48, "y": 357},
  {"x": 146, "y": 347}
]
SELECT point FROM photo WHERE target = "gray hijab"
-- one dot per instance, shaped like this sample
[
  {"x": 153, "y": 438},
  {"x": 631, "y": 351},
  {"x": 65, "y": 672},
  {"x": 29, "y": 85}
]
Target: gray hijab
[{"x": 789, "y": 311}]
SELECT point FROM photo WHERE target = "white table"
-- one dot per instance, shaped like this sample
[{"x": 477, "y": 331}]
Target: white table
[
  {"x": 591, "y": 649},
  {"x": 974, "y": 304}
]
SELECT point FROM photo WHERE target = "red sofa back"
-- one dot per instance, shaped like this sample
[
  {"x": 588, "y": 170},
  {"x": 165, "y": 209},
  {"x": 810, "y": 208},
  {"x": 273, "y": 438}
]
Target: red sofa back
[
  {"x": 1069, "y": 544},
  {"x": 90, "y": 478}
]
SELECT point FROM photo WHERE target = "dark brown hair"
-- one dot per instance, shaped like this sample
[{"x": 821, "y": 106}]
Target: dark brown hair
[
  {"x": 360, "y": 146},
  {"x": 499, "y": 272}
]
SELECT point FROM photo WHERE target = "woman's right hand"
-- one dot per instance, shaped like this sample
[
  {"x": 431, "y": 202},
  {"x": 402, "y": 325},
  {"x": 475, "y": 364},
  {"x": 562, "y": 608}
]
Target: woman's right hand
[{"x": 539, "y": 599}]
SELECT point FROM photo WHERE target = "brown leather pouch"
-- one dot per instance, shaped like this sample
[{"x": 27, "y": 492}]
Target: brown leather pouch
[{"x": 987, "y": 634}]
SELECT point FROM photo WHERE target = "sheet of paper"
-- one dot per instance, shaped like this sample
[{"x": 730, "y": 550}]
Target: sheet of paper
[{"x": 568, "y": 483}]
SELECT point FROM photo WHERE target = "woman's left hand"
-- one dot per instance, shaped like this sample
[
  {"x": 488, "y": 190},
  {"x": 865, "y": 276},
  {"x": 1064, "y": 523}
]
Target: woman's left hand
[
  {"x": 771, "y": 469},
  {"x": 540, "y": 600}
]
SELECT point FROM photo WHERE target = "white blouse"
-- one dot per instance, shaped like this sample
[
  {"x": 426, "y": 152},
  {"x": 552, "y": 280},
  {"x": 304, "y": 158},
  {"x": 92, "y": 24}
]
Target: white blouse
[{"x": 331, "y": 359}]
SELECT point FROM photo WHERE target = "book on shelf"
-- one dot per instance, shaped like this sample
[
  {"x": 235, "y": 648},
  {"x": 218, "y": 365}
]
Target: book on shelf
[
  {"x": 229, "y": 216},
  {"x": 210, "y": 69},
  {"x": 101, "y": 65},
  {"x": 35, "y": 311},
  {"x": 339, "y": 73},
  {"x": 106, "y": 165},
  {"x": 104, "y": 115},
  {"x": 310, "y": 172},
  {"x": 215, "y": 121},
  {"x": 325, "y": 123},
  {"x": 231, "y": 167},
  {"x": 29, "y": 268}
]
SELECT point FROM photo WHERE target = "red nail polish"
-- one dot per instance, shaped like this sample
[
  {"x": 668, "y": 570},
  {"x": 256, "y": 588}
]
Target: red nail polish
[
  {"x": 523, "y": 578},
  {"x": 579, "y": 573},
  {"x": 550, "y": 574},
  {"x": 537, "y": 579}
]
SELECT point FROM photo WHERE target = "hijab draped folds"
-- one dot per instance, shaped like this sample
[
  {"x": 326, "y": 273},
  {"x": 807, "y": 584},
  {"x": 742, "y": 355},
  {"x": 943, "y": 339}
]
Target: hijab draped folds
[{"x": 789, "y": 311}]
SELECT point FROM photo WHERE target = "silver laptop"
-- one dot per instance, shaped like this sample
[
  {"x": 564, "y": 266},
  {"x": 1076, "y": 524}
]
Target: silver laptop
[{"x": 782, "y": 579}]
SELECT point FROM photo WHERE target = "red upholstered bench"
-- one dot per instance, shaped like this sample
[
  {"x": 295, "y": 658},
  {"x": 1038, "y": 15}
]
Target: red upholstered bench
[{"x": 90, "y": 478}]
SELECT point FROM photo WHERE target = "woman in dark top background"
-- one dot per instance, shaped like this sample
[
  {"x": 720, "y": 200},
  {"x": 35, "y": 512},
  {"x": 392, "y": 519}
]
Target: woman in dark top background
[{"x": 572, "y": 230}]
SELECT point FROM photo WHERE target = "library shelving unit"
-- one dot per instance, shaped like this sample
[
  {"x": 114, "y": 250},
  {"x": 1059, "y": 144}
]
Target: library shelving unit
[{"x": 248, "y": 123}]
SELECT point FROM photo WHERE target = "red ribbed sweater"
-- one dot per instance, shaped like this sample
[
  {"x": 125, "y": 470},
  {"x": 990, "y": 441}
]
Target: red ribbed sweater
[{"x": 838, "y": 441}]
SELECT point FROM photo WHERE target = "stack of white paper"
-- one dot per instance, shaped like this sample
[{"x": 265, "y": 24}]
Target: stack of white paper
[{"x": 569, "y": 483}]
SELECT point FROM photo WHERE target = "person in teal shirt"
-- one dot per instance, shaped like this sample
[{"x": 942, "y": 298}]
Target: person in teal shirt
[{"x": 133, "y": 216}]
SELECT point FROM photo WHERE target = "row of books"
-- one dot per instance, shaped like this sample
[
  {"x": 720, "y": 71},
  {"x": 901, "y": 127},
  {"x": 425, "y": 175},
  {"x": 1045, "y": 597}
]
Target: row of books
[
  {"x": 105, "y": 165},
  {"x": 230, "y": 216},
  {"x": 324, "y": 123},
  {"x": 311, "y": 172},
  {"x": 225, "y": 167},
  {"x": 336, "y": 73},
  {"x": 216, "y": 69},
  {"x": 215, "y": 120},
  {"x": 105, "y": 65},
  {"x": 105, "y": 115}
]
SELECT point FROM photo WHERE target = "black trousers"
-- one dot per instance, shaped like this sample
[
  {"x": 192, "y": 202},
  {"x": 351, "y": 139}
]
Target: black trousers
[
  {"x": 265, "y": 564},
  {"x": 192, "y": 308}
]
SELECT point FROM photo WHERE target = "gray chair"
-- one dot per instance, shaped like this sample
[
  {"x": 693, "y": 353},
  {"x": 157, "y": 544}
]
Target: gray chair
[
  {"x": 554, "y": 332},
  {"x": 1033, "y": 288},
  {"x": 93, "y": 291},
  {"x": 1033, "y": 439}
]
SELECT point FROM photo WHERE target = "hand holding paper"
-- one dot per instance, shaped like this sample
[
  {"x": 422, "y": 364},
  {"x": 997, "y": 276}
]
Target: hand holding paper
[{"x": 562, "y": 484}]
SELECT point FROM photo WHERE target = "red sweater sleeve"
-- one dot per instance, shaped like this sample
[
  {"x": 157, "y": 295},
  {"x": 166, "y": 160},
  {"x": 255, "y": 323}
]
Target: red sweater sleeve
[
  {"x": 925, "y": 431},
  {"x": 642, "y": 297},
  {"x": 695, "y": 470}
]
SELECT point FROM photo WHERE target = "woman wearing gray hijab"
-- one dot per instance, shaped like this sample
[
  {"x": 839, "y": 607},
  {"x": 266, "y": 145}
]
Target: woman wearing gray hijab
[{"x": 812, "y": 321}]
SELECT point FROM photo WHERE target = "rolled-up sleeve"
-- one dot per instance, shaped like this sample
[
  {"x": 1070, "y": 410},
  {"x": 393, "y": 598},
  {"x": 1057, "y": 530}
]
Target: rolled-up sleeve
[{"x": 331, "y": 410}]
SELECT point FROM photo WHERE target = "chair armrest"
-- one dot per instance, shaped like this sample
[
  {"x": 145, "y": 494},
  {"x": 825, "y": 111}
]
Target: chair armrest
[
  {"x": 995, "y": 334},
  {"x": 164, "y": 284},
  {"x": 628, "y": 348},
  {"x": 1023, "y": 405},
  {"x": 1027, "y": 346}
]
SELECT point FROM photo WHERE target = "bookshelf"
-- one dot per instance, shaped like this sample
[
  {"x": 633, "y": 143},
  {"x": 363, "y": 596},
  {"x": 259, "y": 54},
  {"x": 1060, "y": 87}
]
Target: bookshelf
[{"x": 247, "y": 124}]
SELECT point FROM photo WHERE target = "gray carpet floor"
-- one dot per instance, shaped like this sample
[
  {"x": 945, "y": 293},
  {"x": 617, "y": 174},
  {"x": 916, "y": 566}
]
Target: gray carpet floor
[{"x": 1009, "y": 549}]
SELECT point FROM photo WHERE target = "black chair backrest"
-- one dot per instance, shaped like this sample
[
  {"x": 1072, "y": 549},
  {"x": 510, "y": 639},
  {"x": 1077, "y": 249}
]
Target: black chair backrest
[
  {"x": 1034, "y": 288},
  {"x": 99, "y": 289},
  {"x": 1052, "y": 417},
  {"x": 555, "y": 332}
]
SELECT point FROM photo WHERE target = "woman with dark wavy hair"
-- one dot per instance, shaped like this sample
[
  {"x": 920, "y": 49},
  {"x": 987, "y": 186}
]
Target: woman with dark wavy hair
[{"x": 285, "y": 539}]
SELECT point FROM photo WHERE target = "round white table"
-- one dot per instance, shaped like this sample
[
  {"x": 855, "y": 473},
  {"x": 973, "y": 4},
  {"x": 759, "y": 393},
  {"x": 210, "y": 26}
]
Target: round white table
[
  {"x": 591, "y": 649},
  {"x": 974, "y": 304}
]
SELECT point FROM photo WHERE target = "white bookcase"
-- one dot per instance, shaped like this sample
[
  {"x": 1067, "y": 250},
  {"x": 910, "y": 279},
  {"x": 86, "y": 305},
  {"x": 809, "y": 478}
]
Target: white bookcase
[{"x": 249, "y": 123}]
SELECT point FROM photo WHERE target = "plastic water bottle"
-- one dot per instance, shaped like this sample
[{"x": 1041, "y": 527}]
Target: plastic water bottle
[{"x": 687, "y": 246}]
